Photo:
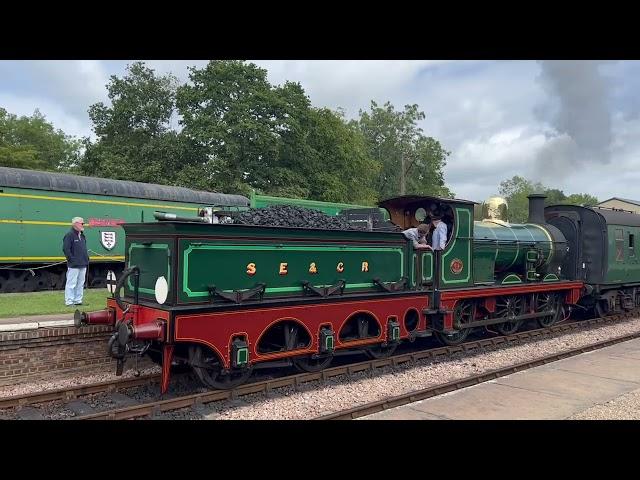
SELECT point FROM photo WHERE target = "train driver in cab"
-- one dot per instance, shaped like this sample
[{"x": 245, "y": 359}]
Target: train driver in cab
[
  {"x": 418, "y": 236},
  {"x": 439, "y": 234}
]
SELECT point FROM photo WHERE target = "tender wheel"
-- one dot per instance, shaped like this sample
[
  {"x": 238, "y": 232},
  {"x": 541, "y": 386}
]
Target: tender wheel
[
  {"x": 602, "y": 308},
  {"x": 552, "y": 303},
  {"x": 208, "y": 369},
  {"x": 378, "y": 351},
  {"x": 507, "y": 307},
  {"x": 464, "y": 312},
  {"x": 308, "y": 364}
]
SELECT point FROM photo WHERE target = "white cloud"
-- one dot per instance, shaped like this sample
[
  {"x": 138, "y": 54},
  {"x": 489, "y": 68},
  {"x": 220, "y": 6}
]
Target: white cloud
[
  {"x": 179, "y": 68},
  {"x": 74, "y": 84},
  {"x": 54, "y": 113},
  {"x": 350, "y": 84},
  {"x": 477, "y": 166}
]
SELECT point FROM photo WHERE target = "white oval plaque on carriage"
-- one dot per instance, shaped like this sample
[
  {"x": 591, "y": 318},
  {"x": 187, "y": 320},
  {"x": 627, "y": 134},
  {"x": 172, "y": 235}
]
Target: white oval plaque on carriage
[
  {"x": 161, "y": 290},
  {"x": 111, "y": 281}
]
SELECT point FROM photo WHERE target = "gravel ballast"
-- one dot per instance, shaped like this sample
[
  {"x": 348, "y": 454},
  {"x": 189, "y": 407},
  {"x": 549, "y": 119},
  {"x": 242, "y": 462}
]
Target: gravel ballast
[{"x": 65, "y": 381}]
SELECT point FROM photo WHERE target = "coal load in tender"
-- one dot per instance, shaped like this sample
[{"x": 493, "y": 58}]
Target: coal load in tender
[
  {"x": 293, "y": 217},
  {"x": 385, "y": 225}
]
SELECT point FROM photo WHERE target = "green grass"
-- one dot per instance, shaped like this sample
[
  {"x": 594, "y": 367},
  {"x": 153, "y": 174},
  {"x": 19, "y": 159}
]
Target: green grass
[{"x": 40, "y": 303}]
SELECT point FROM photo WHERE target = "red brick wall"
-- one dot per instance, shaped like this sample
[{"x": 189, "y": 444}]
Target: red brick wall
[{"x": 34, "y": 354}]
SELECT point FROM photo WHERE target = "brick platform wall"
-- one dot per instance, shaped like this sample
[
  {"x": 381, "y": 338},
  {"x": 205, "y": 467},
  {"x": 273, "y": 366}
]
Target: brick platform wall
[{"x": 34, "y": 354}]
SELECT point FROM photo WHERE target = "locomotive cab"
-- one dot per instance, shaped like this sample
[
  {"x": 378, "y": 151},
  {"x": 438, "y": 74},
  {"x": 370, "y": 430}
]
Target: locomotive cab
[{"x": 456, "y": 259}]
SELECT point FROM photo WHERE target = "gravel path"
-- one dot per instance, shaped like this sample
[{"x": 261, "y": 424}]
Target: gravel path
[
  {"x": 624, "y": 407},
  {"x": 339, "y": 393}
]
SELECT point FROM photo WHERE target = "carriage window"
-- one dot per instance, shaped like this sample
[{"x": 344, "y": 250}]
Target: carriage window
[
  {"x": 421, "y": 214},
  {"x": 619, "y": 245},
  {"x": 632, "y": 246}
]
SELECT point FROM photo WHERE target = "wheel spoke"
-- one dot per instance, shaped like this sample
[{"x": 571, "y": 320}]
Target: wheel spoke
[
  {"x": 552, "y": 305},
  {"x": 463, "y": 313},
  {"x": 290, "y": 337},
  {"x": 308, "y": 364},
  {"x": 209, "y": 371},
  {"x": 512, "y": 307}
]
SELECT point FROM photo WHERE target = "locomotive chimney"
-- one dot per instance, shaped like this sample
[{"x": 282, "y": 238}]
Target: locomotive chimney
[{"x": 536, "y": 208}]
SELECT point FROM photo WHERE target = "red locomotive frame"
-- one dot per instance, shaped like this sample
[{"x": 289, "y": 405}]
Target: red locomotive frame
[{"x": 217, "y": 330}]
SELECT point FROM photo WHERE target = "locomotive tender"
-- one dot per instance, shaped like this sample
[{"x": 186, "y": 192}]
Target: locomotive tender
[{"x": 227, "y": 299}]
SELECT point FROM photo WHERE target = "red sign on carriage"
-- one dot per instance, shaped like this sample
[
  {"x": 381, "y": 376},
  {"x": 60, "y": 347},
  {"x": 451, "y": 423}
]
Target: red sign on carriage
[{"x": 105, "y": 222}]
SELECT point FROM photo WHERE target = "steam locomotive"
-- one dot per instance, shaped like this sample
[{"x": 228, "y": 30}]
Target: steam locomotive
[{"x": 227, "y": 299}]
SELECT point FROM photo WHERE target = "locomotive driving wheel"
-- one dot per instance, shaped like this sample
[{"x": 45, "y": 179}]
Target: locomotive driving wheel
[
  {"x": 508, "y": 307},
  {"x": 552, "y": 303},
  {"x": 463, "y": 312},
  {"x": 380, "y": 351},
  {"x": 209, "y": 370},
  {"x": 310, "y": 364}
]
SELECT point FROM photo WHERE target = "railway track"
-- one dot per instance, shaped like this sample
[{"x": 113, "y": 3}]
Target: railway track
[
  {"x": 70, "y": 393},
  {"x": 266, "y": 387}
]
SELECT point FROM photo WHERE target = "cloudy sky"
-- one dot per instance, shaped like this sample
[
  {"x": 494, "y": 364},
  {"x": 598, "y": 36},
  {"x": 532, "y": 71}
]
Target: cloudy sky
[{"x": 572, "y": 125}]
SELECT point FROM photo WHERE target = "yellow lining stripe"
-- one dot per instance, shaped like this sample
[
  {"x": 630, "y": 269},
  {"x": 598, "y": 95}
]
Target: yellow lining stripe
[
  {"x": 35, "y": 222},
  {"x": 54, "y": 259},
  {"x": 104, "y": 202}
]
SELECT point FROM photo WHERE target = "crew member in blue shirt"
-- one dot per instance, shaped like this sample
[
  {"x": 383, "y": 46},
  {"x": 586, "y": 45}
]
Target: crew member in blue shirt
[{"x": 439, "y": 235}]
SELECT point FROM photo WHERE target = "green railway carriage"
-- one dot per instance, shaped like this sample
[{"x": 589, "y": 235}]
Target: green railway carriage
[
  {"x": 602, "y": 252},
  {"x": 36, "y": 210},
  {"x": 226, "y": 298}
]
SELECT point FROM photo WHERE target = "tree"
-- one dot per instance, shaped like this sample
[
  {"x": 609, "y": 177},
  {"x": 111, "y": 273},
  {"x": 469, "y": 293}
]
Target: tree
[
  {"x": 410, "y": 162},
  {"x": 339, "y": 165},
  {"x": 135, "y": 139},
  {"x": 583, "y": 199},
  {"x": 231, "y": 111},
  {"x": 240, "y": 133},
  {"x": 270, "y": 138},
  {"x": 554, "y": 196},
  {"x": 34, "y": 143},
  {"x": 516, "y": 189}
]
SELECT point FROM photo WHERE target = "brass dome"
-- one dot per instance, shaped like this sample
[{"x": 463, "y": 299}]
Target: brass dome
[{"x": 495, "y": 208}]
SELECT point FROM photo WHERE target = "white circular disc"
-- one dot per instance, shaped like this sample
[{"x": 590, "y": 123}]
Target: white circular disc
[
  {"x": 111, "y": 281},
  {"x": 161, "y": 290}
]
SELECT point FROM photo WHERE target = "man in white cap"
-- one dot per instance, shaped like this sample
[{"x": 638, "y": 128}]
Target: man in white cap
[{"x": 74, "y": 247}]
